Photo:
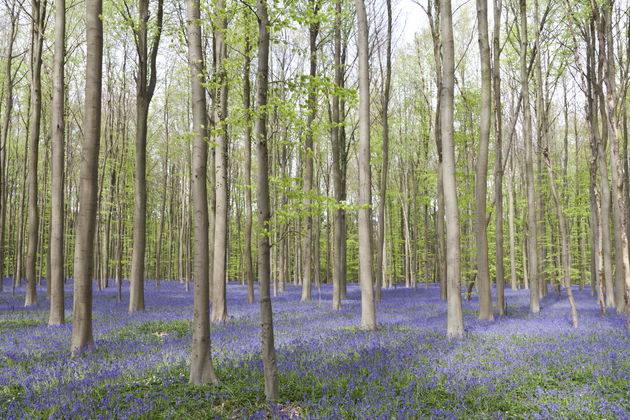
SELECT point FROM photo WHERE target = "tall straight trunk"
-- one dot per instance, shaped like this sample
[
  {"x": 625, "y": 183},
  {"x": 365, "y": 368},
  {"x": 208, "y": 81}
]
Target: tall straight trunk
[
  {"x": 38, "y": 14},
  {"x": 338, "y": 157},
  {"x": 307, "y": 267},
  {"x": 82, "y": 338},
  {"x": 380, "y": 266},
  {"x": 55, "y": 278},
  {"x": 201, "y": 369},
  {"x": 534, "y": 299},
  {"x": 498, "y": 158},
  {"x": 455, "y": 320},
  {"x": 481, "y": 170},
  {"x": 440, "y": 258},
  {"x": 601, "y": 141},
  {"x": 611, "y": 109},
  {"x": 145, "y": 85},
  {"x": 249, "y": 265},
  {"x": 368, "y": 317},
  {"x": 264, "y": 212},
  {"x": 6, "y": 121},
  {"x": 219, "y": 307}
]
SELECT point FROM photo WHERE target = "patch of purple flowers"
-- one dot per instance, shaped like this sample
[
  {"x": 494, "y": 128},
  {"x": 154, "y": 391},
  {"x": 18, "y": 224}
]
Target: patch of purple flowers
[{"x": 518, "y": 366}]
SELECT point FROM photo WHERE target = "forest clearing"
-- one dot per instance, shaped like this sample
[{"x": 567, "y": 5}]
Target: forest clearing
[{"x": 520, "y": 366}]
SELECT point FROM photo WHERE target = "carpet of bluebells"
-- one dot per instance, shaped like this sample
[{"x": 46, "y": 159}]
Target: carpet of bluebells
[{"x": 519, "y": 366}]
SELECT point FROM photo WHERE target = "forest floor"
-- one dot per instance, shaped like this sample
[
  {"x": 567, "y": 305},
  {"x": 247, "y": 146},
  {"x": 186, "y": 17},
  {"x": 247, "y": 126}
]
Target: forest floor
[{"x": 519, "y": 366}]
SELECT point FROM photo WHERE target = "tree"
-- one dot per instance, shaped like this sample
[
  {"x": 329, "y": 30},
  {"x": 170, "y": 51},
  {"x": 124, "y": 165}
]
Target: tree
[
  {"x": 481, "y": 235},
  {"x": 380, "y": 266},
  {"x": 145, "y": 85},
  {"x": 309, "y": 151},
  {"x": 532, "y": 250},
  {"x": 249, "y": 266},
  {"x": 264, "y": 211},
  {"x": 57, "y": 199},
  {"x": 337, "y": 139},
  {"x": 219, "y": 308},
  {"x": 368, "y": 316},
  {"x": 38, "y": 14},
  {"x": 6, "y": 121},
  {"x": 498, "y": 163},
  {"x": 455, "y": 318},
  {"x": 201, "y": 369},
  {"x": 82, "y": 338}
]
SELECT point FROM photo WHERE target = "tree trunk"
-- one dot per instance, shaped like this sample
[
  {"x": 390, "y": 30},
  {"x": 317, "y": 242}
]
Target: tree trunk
[
  {"x": 38, "y": 14},
  {"x": 368, "y": 317},
  {"x": 249, "y": 265},
  {"x": 57, "y": 197},
  {"x": 264, "y": 212},
  {"x": 455, "y": 321},
  {"x": 146, "y": 80},
  {"x": 534, "y": 299},
  {"x": 498, "y": 156},
  {"x": 309, "y": 151},
  {"x": 481, "y": 170},
  {"x": 6, "y": 121},
  {"x": 380, "y": 266},
  {"x": 338, "y": 156},
  {"x": 219, "y": 308},
  {"x": 82, "y": 339},
  {"x": 201, "y": 369}
]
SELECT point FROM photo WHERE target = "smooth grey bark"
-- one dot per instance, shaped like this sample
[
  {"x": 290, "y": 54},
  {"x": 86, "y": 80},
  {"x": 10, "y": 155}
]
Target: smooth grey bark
[
  {"x": 219, "y": 260},
  {"x": 455, "y": 320},
  {"x": 307, "y": 262},
  {"x": 264, "y": 211},
  {"x": 380, "y": 266},
  {"x": 82, "y": 338},
  {"x": 145, "y": 85},
  {"x": 56, "y": 276},
  {"x": 481, "y": 167},
  {"x": 38, "y": 14},
  {"x": 534, "y": 299},
  {"x": 201, "y": 369},
  {"x": 498, "y": 156},
  {"x": 339, "y": 164},
  {"x": 6, "y": 121},
  {"x": 249, "y": 265},
  {"x": 368, "y": 316},
  {"x": 613, "y": 125}
]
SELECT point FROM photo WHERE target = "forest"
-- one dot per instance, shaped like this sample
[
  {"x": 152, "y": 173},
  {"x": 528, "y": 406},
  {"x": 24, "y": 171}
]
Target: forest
[{"x": 314, "y": 209}]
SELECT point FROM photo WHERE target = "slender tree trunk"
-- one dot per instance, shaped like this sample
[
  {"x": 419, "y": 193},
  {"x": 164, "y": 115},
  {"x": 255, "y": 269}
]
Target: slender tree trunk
[
  {"x": 455, "y": 321},
  {"x": 611, "y": 101},
  {"x": 57, "y": 197},
  {"x": 146, "y": 80},
  {"x": 309, "y": 151},
  {"x": 338, "y": 156},
  {"x": 380, "y": 266},
  {"x": 481, "y": 170},
  {"x": 534, "y": 299},
  {"x": 82, "y": 339},
  {"x": 38, "y": 14},
  {"x": 201, "y": 369},
  {"x": 498, "y": 162},
  {"x": 513, "y": 278},
  {"x": 6, "y": 121},
  {"x": 264, "y": 212},
  {"x": 249, "y": 265},
  {"x": 219, "y": 307},
  {"x": 368, "y": 317}
]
